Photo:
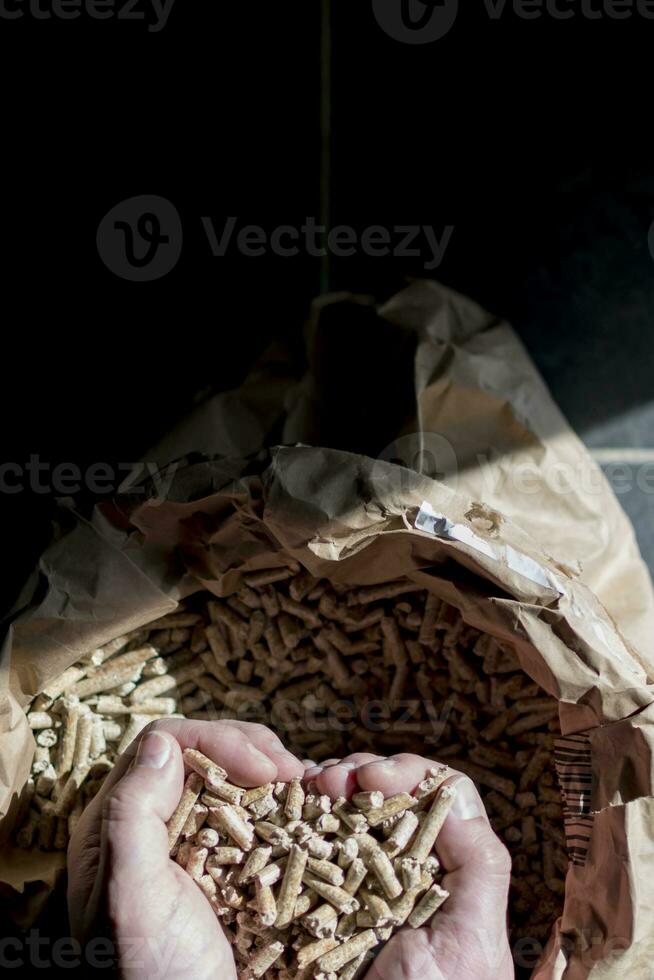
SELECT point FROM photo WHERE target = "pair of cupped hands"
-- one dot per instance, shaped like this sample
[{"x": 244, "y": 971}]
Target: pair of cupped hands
[{"x": 123, "y": 886}]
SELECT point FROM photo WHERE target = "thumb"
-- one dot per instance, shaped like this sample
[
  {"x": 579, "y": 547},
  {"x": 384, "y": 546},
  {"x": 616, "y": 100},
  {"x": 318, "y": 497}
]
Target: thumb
[
  {"x": 134, "y": 839},
  {"x": 473, "y": 921},
  {"x": 468, "y": 935}
]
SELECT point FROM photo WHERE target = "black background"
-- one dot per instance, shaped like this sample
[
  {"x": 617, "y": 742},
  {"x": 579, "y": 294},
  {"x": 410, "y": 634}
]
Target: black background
[{"x": 531, "y": 138}]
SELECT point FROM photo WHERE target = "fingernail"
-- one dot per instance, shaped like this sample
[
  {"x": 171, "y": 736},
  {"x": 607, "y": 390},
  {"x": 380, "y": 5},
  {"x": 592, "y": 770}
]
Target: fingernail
[
  {"x": 386, "y": 764},
  {"x": 313, "y": 772},
  {"x": 345, "y": 765},
  {"x": 279, "y": 749},
  {"x": 260, "y": 756},
  {"x": 153, "y": 751},
  {"x": 467, "y": 803}
]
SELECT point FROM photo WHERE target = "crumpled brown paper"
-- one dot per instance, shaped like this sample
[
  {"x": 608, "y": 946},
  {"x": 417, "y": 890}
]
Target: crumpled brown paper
[
  {"x": 353, "y": 519},
  {"x": 428, "y": 369}
]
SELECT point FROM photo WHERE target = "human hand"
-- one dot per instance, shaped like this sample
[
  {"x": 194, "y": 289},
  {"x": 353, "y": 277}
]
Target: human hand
[
  {"x": 467, "y": 938},
  {"x": 122, "y": 883}
]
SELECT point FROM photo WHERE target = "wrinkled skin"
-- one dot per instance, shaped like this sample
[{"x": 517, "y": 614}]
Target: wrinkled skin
[{"x": 123, "y": 886}]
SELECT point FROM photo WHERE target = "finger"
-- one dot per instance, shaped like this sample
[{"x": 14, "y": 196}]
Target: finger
[
  {"x": 399, "y": 774},
  {"x": 251, "y": 754},
  {"x": 468, "y": 935},
  {"x": 268, "y": 742},
  {"x": 146, "y": 796},
  {"x": 477, "y": 865},
  {"x": 342, "y": 779},
  {"x": 135, "y": 810},
  {"x": 246, "y": 751},
  {"x": 315, "y": 770}
]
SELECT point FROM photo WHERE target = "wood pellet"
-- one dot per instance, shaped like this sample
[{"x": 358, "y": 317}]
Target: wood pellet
[
  {"x": 309, "y": 918},
  {"x": 386, "y": 668}
]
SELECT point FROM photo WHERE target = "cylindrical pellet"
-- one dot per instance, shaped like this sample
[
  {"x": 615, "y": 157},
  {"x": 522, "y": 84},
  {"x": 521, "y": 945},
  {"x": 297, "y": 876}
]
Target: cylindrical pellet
[
  {"x": 290, "y": 887},
  {"x": 333, "y": 961},
  {"x": 430, "y": 829},
  {"x": 192, "y": 789},
  {"x": 427, "y": 906}
]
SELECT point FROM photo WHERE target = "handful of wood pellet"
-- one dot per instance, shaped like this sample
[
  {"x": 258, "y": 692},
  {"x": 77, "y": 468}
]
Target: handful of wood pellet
[
  {"x": 306, "y": 887},
  {"x": 332, "y": 669}
]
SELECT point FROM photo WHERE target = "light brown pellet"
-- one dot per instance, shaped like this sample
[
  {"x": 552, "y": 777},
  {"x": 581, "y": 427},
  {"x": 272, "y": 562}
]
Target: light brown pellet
[
  {"x": 294, "y": 800},
  {"x": 263, "y": 960},
  {"x": 195, "y": 820},
  {"x": 326, "y": 643},
  {"x": 321, "y": 921},
  {"x": 66, "y": 799},
  {"x": 133, "y": 729},
  {"x": 291, "y": 885},
  {"x": 390, "y": 808},
  {"x": 226, "y": 820},
  {"x": 266, "y": 903},
  {"x": 256, "y": 862},
  {"x": 427, "y": 906},
  {"x": 368, "y": 801},
  {"x": 401, "y": 834},
  {"x": 356, "y": 875},
  {"x": 39, "y": 719},
  {"x": 195, "y": 863},
  {"x": 341, "y": 900},
  {"x": 379, "y": 864},
  {"x": 192, "y": 789},
  {"x": 69, "y": 736},
  {"x": 63, "y": 683},
  {"x": 204, "y": 766},
  {"x": 349, "y": 950}
]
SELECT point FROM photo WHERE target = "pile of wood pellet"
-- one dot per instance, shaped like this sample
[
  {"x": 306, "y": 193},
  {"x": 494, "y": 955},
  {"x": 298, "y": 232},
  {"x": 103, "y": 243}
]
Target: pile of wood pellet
[
  {"x": 332, "y": 670},
  {"x": 306, "y": 887}
]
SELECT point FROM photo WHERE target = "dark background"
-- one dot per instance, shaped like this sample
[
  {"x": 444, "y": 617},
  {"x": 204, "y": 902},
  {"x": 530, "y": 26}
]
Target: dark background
[{"x": 531, "y": 138}]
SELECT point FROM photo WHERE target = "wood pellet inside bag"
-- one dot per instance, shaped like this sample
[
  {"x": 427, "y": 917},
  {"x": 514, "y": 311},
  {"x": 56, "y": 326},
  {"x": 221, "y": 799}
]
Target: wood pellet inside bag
[{"x": 333, "y": 670}]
